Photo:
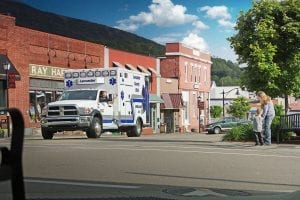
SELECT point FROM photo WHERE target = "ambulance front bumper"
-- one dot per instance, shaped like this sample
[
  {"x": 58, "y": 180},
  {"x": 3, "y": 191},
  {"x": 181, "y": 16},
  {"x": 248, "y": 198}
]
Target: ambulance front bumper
[{"x": 67, "y": 123}]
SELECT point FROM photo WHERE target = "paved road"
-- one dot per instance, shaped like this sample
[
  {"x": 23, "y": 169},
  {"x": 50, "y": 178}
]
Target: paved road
[{"x": 168, "y": 166}]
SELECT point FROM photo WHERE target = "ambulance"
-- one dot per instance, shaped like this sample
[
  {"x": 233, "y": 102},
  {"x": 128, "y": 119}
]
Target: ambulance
[{"x": 99, "y": 100}]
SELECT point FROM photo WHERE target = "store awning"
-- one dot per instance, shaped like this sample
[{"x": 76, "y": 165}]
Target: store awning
[
  {"x": 143, "y": 69},
  {"x": 129, "y": 66},
  {"x": 153, "y": 71},
  {"x": 171, "y": 101},
  {"x": 5, "y": 60},
  {"x": 117, "y": 64},
  {"x": 153, "y": 98}
]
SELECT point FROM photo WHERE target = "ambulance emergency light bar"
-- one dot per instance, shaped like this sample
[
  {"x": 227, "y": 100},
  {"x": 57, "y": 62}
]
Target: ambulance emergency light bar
[{"x": 90, "y": 74}]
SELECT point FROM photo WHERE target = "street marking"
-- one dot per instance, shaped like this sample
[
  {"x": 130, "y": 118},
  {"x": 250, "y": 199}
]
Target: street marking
[
  {"x": 82, "y": 184},
  {"x": 187, "y": 151}
]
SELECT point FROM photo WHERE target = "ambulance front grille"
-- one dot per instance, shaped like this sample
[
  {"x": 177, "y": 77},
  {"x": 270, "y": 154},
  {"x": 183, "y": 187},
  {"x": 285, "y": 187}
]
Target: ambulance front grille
[{"x": 62, "y": 111}]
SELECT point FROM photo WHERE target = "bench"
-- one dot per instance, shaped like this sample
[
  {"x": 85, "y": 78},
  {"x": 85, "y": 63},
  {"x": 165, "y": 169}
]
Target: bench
[
  {"x": 11, "y": 159},
  {"x": 289, "y": 122}
]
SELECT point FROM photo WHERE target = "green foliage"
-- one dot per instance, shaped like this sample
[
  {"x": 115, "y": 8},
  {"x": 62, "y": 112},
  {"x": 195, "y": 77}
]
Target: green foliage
[
  {"x": 216, "y": 111},
  {"x": 279, "y": 110},
  {"x": 225, "y": 72},
  {"x": 239, "y": 107},
  {"x": 245, "y": 132},
  {"x": 268, "y": 40},
  {"x": 1, "y": 133},
  {"x": 240, "y": 133}
]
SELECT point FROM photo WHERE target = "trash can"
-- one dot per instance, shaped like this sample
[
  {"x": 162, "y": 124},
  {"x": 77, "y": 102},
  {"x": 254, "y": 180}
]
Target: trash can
[{"x": 163, "y": 128}]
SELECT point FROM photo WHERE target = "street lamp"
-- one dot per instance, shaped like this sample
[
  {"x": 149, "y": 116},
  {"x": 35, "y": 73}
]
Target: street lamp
[
  {"x": 6, "y": 67},
  {"x": 237, "y": 93}
]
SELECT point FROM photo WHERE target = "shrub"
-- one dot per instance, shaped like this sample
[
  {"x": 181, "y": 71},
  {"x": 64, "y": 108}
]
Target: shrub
[
  {"x": 239, "y": 133},
  {"x": 216, "y": 111},
  {"x": 1, "y": 133}
]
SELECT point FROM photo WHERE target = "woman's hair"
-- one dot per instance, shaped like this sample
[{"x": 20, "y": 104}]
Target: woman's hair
[{"x": 264, "y": 99}]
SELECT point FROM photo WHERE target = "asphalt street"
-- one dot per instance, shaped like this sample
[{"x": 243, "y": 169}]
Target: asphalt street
[{"x": 167, "y": 166}]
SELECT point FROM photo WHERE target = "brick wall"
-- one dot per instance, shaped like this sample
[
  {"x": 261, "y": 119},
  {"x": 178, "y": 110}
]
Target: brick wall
[
  {"x": 134, "y": 59},
  {"x": 25, "y": 46}
]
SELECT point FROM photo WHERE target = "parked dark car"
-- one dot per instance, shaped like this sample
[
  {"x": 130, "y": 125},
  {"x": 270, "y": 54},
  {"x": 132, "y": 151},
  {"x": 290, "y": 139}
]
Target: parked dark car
[{"x": 225, "y": 124}]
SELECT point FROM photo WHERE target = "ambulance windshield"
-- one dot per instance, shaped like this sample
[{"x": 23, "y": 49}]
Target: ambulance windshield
[{"x": 79, "y": 95}]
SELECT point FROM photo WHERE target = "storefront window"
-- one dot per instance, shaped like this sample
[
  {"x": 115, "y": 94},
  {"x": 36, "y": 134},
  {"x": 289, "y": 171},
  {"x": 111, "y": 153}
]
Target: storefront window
[{"x": 41, "y": 93}]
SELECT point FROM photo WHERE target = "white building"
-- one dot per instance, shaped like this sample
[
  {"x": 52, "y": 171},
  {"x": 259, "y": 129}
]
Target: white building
[{"x": 230, "y": 93}]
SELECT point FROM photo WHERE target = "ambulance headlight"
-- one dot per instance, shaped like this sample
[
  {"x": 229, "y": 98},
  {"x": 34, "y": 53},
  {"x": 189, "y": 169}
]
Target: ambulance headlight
[{"x": 85, "y": 110}]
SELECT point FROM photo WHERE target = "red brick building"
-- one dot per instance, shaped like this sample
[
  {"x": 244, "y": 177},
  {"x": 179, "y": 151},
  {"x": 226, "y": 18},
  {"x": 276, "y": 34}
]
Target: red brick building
[
  {"x": 39, "y": 59},
  {"x": 192, "y": 69}
]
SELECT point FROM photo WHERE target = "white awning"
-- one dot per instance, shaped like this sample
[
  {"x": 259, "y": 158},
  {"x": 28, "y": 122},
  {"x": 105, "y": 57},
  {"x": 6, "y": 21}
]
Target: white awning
[
  {"x": 129, "y": 66},
  {"x": 143, "y": 69},
  {"x": 117, "y": 64}
]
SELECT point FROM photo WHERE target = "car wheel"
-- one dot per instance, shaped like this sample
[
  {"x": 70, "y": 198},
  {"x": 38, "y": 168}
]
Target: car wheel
[
  {"x": 136, "y": 131},
  {"x": 217, "y": 130},
  {"x": 47, "y": 135},
  {"x": 95, "y": 129}
]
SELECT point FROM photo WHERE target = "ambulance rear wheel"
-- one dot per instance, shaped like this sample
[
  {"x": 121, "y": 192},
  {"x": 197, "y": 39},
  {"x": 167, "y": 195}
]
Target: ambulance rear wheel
[
  {"x": 95, "y": 129},
  {"x": 47, "y": 135},
  {"x": 136, "y": 131}
]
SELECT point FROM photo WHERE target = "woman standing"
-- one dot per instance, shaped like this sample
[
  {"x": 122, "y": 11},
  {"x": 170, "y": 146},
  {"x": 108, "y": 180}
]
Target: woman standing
[{"x": 267, "y": 115}]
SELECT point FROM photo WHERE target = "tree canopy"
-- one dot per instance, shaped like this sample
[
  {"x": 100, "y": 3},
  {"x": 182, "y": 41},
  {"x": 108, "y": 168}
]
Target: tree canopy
[
  {"x": 268, "y": 40},
  {"x": 239, "y": 108}
]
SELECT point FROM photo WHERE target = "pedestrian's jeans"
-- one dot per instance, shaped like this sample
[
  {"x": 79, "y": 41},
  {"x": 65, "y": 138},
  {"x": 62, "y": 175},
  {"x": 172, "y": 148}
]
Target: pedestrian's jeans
[
  {"x": 267, "y": 128},
  {"x": 258, "y": 138}
]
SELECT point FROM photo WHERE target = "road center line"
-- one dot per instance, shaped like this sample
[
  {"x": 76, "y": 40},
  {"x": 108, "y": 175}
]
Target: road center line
[{"x": 72, "y": 183}]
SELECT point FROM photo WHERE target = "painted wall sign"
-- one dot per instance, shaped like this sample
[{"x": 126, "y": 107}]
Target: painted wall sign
[{"x": 47, "y": 72}]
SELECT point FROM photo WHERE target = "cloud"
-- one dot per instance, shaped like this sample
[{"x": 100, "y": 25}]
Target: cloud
[
  {"x": 220, "y": 13},
  {"x": 225, "y": 52},
  {"x": 199, "y": 25},
  {"x": 194, "y": 40},
  {"x": 216, "y": 12},
  {"x": 162, "y": 13},
  {"x": 226, "y": 23},
  {"x": 167, "y": 38}
]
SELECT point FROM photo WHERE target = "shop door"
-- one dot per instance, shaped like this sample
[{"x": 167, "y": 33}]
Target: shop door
[{"x": 169, "y": 120}]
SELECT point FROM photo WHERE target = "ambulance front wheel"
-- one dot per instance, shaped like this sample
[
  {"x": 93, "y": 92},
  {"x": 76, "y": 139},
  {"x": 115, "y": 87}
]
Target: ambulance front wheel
[
  {"x": 136, "y": 131},
  {"x": 95, "y": 129},
  {"x": 47, "y": 135}
]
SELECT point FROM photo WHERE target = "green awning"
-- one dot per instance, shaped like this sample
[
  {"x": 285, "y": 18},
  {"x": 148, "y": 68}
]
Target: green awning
[{"x": 153, "y": 98}]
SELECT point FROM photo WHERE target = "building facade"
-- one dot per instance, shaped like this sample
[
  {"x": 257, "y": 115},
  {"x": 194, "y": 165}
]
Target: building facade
[
  {"x": 192, "y": 69},
  {"x": 38, "y": 61}
]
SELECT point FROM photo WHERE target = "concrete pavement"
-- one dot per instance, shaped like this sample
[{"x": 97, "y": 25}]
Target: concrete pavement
[{"x": 172, "y": 166}]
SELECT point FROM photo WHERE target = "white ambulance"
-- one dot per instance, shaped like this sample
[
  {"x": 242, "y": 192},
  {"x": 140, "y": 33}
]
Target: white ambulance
[{"x": 99, "y": 100}]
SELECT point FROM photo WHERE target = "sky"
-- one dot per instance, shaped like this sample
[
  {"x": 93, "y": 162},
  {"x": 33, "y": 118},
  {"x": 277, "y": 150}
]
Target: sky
[{"x": 202, "y": 24}]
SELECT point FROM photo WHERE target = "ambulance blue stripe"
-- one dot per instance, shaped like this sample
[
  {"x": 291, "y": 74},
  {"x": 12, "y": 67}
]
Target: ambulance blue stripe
[{"x": 127, "y": 121}]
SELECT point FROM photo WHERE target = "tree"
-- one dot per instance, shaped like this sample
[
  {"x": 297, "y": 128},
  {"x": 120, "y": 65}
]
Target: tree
[
  {"x": 216, "y": 111},
  {"x": 239, "y": 107},
  {"x": 268, "y": 40}
]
